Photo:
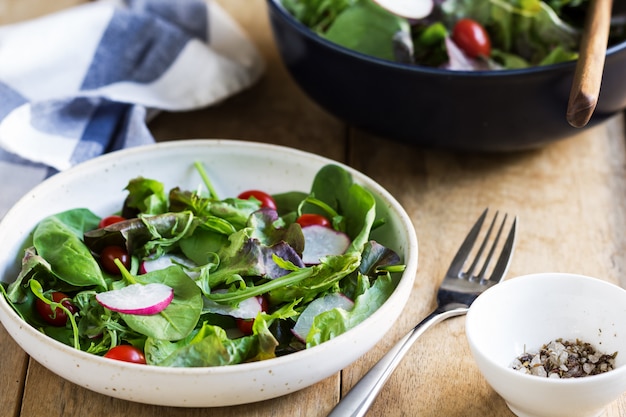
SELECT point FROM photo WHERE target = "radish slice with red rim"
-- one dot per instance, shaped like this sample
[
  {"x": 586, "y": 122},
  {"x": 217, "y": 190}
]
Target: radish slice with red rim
[
  {"x": 317, "y": 307},
  {"x": 247, "y": 309},
  {"x": 137, "y": 299},
  {"x": 162, "y": 262},
  {"x": 320, "y": 241},
  {"x": 410, "y": 9}
]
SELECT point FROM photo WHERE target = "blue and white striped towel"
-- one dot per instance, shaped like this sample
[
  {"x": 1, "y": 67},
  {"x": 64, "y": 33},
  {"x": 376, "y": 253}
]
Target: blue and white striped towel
[{"x": 81, "y": 82}]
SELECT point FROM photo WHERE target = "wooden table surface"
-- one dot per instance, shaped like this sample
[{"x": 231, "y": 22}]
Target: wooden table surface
[{"x": 570, "y": 198}]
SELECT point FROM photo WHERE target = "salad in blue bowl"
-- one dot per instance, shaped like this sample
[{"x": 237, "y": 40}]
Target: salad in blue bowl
[{"x": 479, "y": 76}]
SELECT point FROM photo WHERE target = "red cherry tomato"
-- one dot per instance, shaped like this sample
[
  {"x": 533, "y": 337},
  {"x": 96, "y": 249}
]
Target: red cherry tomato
[
  {"x": 472, "y": 38},
  {"x": 126, "y": 353},
  {"x": 245, "y": 325},
  {"x": 107, "y": 221},
  {"x": 310, "y": 219},
  {"x": 266, "y": 200},
  {"x": 108, "y": 256},
  {"x": 58, "y": 317}
]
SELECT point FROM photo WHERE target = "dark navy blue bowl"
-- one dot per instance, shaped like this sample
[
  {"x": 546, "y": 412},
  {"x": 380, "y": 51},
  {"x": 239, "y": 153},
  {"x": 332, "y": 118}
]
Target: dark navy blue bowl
[{"x": 475, "y": 111}]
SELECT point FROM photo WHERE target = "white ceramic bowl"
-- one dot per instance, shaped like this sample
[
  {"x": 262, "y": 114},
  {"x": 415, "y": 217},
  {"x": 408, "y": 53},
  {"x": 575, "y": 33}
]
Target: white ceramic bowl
[
  {"x": 233, "y": 166},
  {"x": 524, "y": 313}
]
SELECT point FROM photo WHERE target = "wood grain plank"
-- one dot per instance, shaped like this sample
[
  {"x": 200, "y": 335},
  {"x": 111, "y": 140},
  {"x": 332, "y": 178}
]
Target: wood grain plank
[{"x": 12, "y": 374}]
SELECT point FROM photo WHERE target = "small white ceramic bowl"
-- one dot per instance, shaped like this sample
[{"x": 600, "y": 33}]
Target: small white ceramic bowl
[
  {"x": 233, "y": 166},
  {"x": 524, "y": 313}
]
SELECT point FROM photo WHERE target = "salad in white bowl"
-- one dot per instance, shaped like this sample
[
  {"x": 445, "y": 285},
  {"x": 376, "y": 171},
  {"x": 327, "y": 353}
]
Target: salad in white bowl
[
  {"x": 168, "y": 277},
  {"x": 151, "y": 278}
]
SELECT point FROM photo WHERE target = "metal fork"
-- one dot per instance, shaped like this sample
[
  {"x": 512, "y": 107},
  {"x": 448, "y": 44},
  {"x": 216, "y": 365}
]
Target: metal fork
[{"x": 454, "y": 297}]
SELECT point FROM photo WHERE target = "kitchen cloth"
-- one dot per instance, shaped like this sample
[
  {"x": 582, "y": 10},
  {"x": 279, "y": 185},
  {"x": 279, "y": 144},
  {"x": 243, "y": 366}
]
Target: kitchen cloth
[{"x": 84, "y": 81}]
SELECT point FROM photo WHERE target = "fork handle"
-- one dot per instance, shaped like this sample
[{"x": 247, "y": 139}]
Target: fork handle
[{"x": 362, "y": 395}]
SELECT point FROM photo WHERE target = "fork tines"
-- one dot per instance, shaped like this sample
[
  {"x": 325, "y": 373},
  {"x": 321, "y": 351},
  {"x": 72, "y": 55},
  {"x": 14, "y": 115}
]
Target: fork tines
[{"x": 501, "y": 266}]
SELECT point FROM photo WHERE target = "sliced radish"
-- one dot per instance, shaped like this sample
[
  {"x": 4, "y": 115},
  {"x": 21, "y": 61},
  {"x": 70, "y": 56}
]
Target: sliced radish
[
  {"x": 162, "y": 262},
  {"x": 317, "y": 307},
  {"x": 247, "y": 309},
  {"x": 320, "y": 241},
  {"x": 138, "y": 299},
  {"x": 411, "y": 9}
]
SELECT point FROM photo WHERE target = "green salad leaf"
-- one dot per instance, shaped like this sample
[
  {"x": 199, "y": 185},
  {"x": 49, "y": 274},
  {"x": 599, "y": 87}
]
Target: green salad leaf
[{"x": 58, "y": 240}]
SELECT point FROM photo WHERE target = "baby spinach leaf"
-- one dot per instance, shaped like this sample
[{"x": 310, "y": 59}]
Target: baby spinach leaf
[
  {"x": 360, "y": 214},
  {"x": 330, "y": 184},
  {"x": 367, "y": 28},
  {"x": 58, "y": 240},
  {"x": 288, "y": 202},
  {"x": 334, "y": 186},
  {"x": 202, "y": 245}
]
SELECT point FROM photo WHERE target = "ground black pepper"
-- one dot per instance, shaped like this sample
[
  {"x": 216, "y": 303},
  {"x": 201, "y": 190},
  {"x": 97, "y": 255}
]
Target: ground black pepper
[{"x": 565, "y": 359}]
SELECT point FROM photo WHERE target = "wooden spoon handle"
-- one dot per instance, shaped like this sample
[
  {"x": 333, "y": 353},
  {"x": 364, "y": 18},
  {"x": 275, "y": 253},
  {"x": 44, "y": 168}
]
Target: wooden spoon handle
[{"x": 588, "y": 75}]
